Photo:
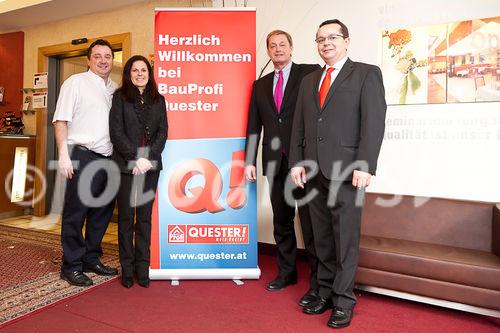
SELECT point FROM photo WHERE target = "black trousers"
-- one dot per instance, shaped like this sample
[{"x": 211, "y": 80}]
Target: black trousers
[
  {"x": 284, "y": 230},
  {"x": 131, "y": 197},
  {"x": 79, "y": 250},
  {"x": 336, "y": 235}
]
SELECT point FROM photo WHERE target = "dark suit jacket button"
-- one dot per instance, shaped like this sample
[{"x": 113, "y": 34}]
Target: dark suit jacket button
[
  {"x": 320, "y": 119},
  {"x": 320, "y": 139}
]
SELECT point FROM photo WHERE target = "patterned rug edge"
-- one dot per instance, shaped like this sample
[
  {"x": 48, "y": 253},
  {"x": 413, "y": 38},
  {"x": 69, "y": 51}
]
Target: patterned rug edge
[
  {"x": 23, "y": 300},
  {"x": 34, "y": 311}
]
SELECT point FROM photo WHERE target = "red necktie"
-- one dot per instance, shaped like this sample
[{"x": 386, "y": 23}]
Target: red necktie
[
  {"x": 278, "y": 91},
  {"x": 325, "y": 86}
]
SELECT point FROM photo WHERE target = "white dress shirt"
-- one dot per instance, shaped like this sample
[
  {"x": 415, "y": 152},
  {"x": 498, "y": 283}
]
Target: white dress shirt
[
  {"x": 333, "y": 75},
  {"x": 84, "y": 102}
]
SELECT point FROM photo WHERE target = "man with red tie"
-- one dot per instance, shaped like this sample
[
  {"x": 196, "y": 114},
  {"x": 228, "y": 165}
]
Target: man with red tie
[
  {"x": 339, "y": 126},
  {"x": 271, "y": 108}
]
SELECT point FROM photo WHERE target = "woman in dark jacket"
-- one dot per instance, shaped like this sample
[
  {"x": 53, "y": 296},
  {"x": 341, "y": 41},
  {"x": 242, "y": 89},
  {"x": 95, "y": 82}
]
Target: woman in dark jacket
[{"x": 138, "y": 131}]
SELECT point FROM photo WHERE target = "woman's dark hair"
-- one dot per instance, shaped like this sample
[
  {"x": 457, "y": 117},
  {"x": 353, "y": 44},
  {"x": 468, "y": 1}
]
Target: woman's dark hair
[{"x": 128, "y": 90}]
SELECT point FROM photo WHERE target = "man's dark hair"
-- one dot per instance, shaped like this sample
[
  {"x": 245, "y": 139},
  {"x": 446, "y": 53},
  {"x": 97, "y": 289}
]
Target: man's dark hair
[
  {"x": 343, "y": 27},
  {"x": 128, "y": 90},
  {"x": 102, "y": 42}
]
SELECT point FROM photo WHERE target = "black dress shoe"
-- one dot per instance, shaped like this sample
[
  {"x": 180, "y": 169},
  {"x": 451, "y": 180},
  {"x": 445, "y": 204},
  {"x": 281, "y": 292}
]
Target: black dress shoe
[
  {"x": 76, "y": 278},
  {"x": 340, "y": 318},
  {"x": 309, "y": 297},
  {"x": 127, "y": 281},
  {"x": 319, "y": 306},
  {"x": 100, "y": 269},
  {"x": 280, "y": 283},
  {"x": 144, "y": 282}
]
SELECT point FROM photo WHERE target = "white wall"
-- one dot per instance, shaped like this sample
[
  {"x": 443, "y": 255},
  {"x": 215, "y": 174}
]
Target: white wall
[{"x": 365, "y": 20}]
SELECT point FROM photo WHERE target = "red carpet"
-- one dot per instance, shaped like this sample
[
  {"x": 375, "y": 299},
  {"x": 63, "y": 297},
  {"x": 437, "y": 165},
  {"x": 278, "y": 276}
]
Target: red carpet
[{"x": 221, "y": 306}]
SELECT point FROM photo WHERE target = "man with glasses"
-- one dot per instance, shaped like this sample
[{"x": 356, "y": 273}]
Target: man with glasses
[
  {"x": 339, "y": 126},
  {"x": 271, "y": 108},
  {"x": 82, "y": 132}
]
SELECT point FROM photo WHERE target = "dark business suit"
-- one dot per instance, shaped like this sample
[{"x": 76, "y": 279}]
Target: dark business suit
[
  {"x": 349, "y": 128},
  {"x": 136, "y": 130},
  {"x": 275, "y": 148}
]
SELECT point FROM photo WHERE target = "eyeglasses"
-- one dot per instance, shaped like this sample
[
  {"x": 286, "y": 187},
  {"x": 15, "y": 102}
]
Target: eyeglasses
[{"x": 331, "y": 38}]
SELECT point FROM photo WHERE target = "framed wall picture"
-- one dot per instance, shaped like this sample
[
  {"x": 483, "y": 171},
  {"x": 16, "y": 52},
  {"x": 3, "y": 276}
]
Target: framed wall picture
[
  {"x": 40, "y": 80},
  {"x": 39, "y": 100},
  {"x": 445, "y": 63}
]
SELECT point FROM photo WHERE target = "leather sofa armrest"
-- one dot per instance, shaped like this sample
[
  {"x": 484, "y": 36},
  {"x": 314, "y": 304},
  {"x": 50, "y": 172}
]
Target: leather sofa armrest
[{"x": 495, "y": 232}]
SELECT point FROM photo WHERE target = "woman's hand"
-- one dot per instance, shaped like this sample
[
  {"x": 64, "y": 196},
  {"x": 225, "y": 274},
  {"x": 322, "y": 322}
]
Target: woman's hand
[{"x": 142, "y": 165}]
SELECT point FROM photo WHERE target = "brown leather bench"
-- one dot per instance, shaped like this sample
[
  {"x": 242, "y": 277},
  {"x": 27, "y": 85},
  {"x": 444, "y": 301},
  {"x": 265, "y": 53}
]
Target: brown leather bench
[{"x": 443, "y": 252}]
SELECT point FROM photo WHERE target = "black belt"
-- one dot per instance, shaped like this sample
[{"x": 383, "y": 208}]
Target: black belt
[{"x": 83, "y": 148}]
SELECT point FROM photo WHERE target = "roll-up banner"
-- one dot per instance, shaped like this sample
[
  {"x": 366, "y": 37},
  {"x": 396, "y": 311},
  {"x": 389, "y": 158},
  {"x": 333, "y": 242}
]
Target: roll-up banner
[{"x": 205, "y": 215}]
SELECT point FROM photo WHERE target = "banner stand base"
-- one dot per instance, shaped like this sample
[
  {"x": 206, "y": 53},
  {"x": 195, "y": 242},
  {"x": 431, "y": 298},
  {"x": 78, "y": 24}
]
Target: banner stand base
[
  {"x": 205, "y": 274},
  {"x": 238, "y": 282}
]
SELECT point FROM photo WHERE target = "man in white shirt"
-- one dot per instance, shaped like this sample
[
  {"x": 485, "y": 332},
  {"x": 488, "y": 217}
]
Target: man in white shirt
[{"x": 82, "y": 131}]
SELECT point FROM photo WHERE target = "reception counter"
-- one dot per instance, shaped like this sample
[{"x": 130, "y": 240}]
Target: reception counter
[{"x": 17, "y": 154}]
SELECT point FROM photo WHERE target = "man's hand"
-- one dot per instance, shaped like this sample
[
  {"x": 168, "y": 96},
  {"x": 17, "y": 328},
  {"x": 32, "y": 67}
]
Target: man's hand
[
  {"x": 65, "y": 166},
  {"x": 361, "y": 179},
  {"x": 250, "y": 173},
  {"x": 64, "y": 162},
  {"x": 142, "y": 165},
  {"x": 298, "y": 176}
]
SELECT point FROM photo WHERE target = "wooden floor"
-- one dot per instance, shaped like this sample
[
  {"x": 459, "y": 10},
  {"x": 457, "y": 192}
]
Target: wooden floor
[{"x": 52, "y": 224}]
